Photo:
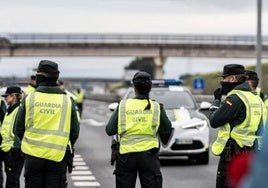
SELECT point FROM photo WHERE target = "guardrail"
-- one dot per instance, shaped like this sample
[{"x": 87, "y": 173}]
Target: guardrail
[{"x": 132, "y": 38}]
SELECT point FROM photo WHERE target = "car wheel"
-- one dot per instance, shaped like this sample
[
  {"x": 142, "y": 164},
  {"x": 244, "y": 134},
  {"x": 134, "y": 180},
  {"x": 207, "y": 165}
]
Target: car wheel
[{"x": 203, "y": 158}]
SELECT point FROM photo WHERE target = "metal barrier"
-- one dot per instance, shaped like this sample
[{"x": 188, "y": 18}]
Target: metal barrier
[{"x": 132, "y": 38}]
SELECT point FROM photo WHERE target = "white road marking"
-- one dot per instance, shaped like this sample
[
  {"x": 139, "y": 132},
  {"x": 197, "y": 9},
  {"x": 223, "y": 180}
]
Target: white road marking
[
  {"x": 92, "y": 122},
  {"x": 81, "y": 176},
  {"x": 80, "y": 172},
  {"x": 79, "y": 163},
  {"x": 84, "y": 184},
  {"x": 81, "y": 168},
  {"x": 78, "y": 159}
]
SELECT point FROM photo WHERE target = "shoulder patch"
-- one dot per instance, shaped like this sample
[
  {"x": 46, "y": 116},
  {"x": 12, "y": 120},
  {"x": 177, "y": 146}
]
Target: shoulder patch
[{"x": 229, "y": 103}]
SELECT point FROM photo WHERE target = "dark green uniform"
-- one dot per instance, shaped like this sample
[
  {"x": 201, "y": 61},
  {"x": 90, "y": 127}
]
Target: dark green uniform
[
  {"x": 39, "y": 171},
  {"x": 144, "y": 163},
  {"x": 13, "y": 158},
  {"x": 233, "y": 111}
]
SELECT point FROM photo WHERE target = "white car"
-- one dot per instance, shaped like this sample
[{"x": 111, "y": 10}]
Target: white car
[{"x": 190, "y": 127}]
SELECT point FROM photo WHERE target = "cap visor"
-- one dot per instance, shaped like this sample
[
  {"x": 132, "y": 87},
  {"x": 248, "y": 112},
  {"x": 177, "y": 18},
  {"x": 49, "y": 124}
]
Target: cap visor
[{"x": 5, "y": 95}]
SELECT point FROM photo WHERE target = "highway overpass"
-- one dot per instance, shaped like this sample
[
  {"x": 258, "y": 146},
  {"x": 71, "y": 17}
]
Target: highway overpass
[{"x": 159, "y": 46}]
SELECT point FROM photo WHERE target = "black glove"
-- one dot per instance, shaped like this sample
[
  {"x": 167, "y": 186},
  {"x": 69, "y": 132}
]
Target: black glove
[{"x": 218, "y": 94}]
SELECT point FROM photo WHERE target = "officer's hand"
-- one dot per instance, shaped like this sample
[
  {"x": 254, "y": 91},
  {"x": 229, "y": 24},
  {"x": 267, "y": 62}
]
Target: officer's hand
[{"x": 218, "y": 94}]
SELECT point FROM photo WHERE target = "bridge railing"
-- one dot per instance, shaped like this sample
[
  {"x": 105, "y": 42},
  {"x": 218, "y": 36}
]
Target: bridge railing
[{"x": 32, "y": 38}]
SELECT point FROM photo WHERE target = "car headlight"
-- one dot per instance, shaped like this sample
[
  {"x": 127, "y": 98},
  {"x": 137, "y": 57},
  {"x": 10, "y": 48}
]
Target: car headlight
[{"x": 196, "y": 125}]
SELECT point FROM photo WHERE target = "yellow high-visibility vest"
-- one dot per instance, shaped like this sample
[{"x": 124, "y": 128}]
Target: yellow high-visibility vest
[
  {"x": 47, "y": 125},
  {"x": 244, "y": 133},
  {"x": 138, "y": 127},
  {"x": 29, "y": 89},
  {"x": 79, "y": 97},
  {"x": 7, "y": 130}
]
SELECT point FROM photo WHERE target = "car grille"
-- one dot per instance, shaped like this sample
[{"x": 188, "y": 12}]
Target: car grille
[{"x": 194, "y": 145}]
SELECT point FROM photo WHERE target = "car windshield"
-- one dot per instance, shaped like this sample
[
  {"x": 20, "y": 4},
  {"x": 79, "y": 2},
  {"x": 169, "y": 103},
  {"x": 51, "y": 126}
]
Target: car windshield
[{"x": 170, "y": 99}]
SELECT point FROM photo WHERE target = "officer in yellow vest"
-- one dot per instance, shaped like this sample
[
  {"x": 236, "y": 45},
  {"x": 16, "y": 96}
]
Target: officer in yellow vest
[
  {"x": 10, "y": 145},
  {"x": 79, "y": 100},
  {"x": 71, "y": 95},
  {"x": 253, "y": 81},
  {"x": 46, "y": 123},
  {"x": 137, "y": 121},
  {"x": 238, "y": 118},
  {"x": 32, "y": 85}
]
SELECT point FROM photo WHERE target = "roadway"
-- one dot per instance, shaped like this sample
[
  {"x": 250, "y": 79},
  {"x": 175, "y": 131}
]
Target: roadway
[{"x": 93, "y": 170}]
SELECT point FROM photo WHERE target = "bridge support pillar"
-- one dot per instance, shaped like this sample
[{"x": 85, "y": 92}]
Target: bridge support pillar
[{"x": 159, "y": 64}]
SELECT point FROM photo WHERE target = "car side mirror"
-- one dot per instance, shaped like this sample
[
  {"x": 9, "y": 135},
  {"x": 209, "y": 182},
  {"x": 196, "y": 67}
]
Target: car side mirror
[
  {"x": 113, "y": 106},
  {"x": 205, "y": 105}
]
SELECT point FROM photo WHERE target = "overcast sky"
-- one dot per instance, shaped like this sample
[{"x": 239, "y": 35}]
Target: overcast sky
[{"x": 132, "y": 16}]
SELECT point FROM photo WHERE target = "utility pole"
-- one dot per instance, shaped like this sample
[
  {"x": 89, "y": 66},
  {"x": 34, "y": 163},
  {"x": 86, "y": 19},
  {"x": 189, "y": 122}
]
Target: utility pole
[{"x": 259, "y": 42}]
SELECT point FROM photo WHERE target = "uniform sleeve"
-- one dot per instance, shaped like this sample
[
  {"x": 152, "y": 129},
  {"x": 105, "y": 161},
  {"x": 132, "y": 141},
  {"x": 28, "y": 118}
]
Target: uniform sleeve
[
  {"x": 164, "y": 130},
  {"x": 75, "y": 126},
  {"x": 111, "y": 127},
  {"x": 232, "y": 111},
  {"x": 3, "y": 110},
  {"x": 165, "y": 124},
  {"x": 19, "y": 125}
]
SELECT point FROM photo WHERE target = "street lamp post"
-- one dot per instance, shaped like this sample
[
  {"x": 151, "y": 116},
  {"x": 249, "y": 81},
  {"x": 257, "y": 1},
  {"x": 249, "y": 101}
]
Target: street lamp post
[{"x": 259, "y": 42}]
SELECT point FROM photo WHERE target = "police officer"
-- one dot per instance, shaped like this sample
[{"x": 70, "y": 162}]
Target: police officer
[
  {"x": 31, "y": 86},
  {"x": 62, "y": 86},
  {"x": 253, "y": 81},
  {"x": 79, "y": 94},
  {"x": 137, "y": 122},
  {"x": 46, "y": 123},
  {"x": 10, "y": 145},
  {"x": 71, "y": 95},
  {"x": 237, "y": 117}
]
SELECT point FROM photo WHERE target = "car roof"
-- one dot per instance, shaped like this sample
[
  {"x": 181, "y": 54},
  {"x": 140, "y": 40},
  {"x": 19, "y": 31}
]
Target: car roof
[{"x": 171, "y": 96}]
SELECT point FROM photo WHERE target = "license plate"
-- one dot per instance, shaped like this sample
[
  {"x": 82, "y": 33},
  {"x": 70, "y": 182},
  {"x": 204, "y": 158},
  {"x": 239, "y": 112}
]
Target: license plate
[{"x": 184, "y": 141}]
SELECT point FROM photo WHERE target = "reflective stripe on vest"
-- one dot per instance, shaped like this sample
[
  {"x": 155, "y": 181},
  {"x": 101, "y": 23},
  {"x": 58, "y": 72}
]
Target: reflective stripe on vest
[
  {"x": 138, "y": 127},
  {"x": 244, "y": 133},
  {"x": 47, "y": 125},
  {"x": 7, "y": 130}
]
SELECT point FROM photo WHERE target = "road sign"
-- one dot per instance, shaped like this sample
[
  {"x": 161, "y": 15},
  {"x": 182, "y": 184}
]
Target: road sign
[{"x": 199, "y": 84}]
